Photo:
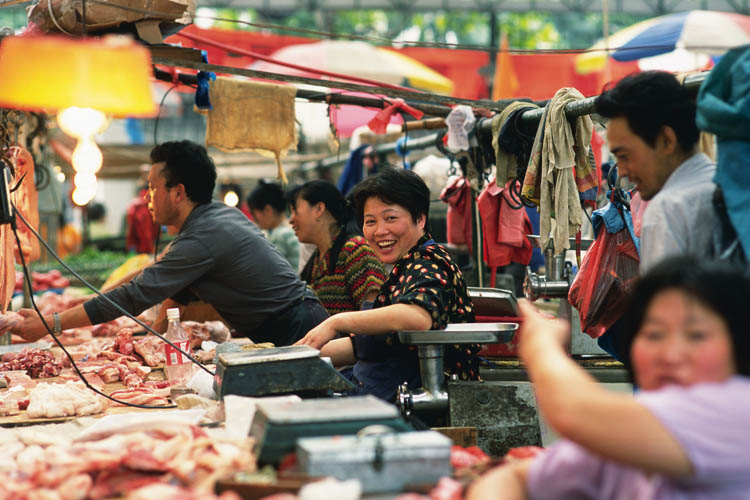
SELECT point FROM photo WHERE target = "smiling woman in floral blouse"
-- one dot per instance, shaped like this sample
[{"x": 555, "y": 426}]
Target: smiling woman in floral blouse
[{"x": 424, "y": 291}]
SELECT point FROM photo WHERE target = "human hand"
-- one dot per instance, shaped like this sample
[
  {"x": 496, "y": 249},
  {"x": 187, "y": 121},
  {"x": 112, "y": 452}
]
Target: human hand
[
  {"x": 25, "y": 323},
  {"x": 9, "y": 321},
  {"x": 320, "y": 335},
  {"x": 539, "y": 331}
]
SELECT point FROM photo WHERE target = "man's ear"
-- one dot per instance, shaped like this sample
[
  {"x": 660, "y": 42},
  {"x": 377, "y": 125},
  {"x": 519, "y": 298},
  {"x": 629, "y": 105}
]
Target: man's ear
[
  {"x": 181, "y": 193},
  {"x": 667, "y": 140}
]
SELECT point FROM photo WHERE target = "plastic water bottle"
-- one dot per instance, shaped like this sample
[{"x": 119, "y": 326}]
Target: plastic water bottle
[{"x": 178, "y": 367}]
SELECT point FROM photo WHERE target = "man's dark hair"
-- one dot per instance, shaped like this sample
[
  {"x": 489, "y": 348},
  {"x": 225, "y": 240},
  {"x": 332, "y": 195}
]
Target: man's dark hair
[
  {"x": 96, "y": 211},
  {"x": 187, "y": 163},
  {"x": 267, "y": 193},
  {"x": 317, "y": 191},
  {"x": 718, "y": 286},
  {"x": 650, "y": 101},
  {"x": 393, "y": 186}
]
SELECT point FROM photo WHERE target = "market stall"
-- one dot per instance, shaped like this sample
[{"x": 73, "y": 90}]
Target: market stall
[{"x": 100, "y": 411}]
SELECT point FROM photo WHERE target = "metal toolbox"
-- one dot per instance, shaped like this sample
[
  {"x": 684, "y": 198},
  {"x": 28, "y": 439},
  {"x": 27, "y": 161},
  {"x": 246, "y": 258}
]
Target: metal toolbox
[
  {"x": 277, "y": 426},
  {"x": 384, "y": 462}
]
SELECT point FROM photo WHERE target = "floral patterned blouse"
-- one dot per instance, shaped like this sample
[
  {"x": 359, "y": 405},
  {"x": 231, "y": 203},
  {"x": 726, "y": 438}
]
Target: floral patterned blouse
[{"x": 425, "y": 276}]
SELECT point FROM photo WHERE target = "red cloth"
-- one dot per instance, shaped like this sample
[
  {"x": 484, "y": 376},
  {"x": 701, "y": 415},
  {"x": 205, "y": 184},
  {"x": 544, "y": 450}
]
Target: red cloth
[
  {"x": 141, "y": 228},
  {"x": 380, "y": 122},
  {"x": 504, "y": 228},
  {"x": 457, "y": 194}
]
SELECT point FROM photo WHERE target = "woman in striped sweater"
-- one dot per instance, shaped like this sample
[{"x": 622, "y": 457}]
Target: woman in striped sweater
[{"x": 343, "y": 271}]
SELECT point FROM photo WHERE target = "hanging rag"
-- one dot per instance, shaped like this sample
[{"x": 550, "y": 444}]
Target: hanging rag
[
  {"x": 511, "y": 146},
  {"x": 530, "y": 188},
  {"x": 353, "y": 170},
  {"x": 505, "y": 226},
  {"x": 252, "y": 116},
  {"x": 560, "y": 167},
  {"x": 457, "y": 194},
  {"x": 203, "y": 91},
  {"x": 460, "y": 123},
  {"x": 724, "y": 109},
  {"x": 380, "y": 121}
]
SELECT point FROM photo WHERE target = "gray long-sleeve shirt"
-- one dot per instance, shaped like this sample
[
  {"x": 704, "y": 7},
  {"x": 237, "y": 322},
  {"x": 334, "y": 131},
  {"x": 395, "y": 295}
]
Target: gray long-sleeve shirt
[
  {"x": 221, "y": 257},
  {"x": 679, "y": 220}
]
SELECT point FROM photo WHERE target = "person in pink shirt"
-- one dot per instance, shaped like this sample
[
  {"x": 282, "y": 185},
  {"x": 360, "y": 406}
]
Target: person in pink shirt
[{"x": 684, "y": 435}]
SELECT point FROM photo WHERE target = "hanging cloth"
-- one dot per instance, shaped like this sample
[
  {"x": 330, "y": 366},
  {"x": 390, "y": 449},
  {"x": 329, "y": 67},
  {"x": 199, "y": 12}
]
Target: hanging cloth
[
  {"x": 510, "y": 147},
  {"x": 460, "y": 122},
  {"x": 457, "y": 194},
  {"x": 252, "y": 116},
  {"x": 505, "y": 227},
  {"x": 353, "y": 170},
  {"x": 559, "y": 169},
  {"x": 724, "y": 109}
]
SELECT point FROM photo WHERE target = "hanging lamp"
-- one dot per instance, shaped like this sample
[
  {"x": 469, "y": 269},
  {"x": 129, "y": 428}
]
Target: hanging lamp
[{"x": 84, "y": 81}]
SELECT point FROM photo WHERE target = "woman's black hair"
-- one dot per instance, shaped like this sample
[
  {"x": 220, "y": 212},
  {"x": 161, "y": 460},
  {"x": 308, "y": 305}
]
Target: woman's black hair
[
  {"x": 393, "y": 186},
  {"x": 716, "y": 285},
  {"x": 267, "y": 193},
  {"x": 320, "y": 191}
]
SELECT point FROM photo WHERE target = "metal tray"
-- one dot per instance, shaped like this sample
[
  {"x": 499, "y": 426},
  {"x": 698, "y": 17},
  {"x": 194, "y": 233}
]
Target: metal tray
[
  {"x": 462, "y": 333},
  {"x": 493, "y": 302},
  {"x": 268, "y": 355}
]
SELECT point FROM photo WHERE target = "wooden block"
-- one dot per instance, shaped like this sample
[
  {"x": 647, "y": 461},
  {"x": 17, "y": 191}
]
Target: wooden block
[{"x": 461, "y": 436}]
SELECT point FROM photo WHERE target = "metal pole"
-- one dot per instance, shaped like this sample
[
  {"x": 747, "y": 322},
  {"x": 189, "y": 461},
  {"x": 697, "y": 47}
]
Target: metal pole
[
  {"x": 83, "y": 19},
  {"x": 493, "y": 51},
  {"x": 476, "y": 238}
]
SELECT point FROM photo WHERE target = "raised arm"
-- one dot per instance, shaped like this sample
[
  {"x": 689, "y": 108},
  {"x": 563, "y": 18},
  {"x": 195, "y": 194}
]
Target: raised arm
[
  {"x": 506, "y": 482},
  {"x": 611, "y": 425}
]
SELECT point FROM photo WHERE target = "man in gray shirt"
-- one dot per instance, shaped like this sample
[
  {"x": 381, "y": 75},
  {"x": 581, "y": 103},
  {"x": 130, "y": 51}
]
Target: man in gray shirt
[
  {"x": 652, "y": 133},
  {"x": 218, "y": 255}
]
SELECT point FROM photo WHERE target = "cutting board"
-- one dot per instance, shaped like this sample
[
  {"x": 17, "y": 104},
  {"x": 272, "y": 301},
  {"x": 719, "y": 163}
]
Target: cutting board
[{"x": 21, "y": 419}]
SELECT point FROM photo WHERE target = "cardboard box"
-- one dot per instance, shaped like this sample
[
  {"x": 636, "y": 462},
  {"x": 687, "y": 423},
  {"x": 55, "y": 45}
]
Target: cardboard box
[{"x": 65, "y": 16}]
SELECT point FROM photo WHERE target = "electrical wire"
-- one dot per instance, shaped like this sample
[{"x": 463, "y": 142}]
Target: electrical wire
[
  {"x": 370, "y": 38},
  {"x": 158, "y": 112},
  {"x": 261, "y": 57},
  {"x": 27, "y": 275},
  {"x": 107, "y": 299}
]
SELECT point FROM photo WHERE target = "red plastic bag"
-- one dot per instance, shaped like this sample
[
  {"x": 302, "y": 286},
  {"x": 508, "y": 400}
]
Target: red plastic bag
[{"x": 600, "y": 289}]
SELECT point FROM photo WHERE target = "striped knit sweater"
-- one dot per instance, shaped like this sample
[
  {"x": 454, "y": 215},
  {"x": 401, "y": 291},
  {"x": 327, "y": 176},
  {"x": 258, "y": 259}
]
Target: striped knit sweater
[{"x": 357, "y": 273}]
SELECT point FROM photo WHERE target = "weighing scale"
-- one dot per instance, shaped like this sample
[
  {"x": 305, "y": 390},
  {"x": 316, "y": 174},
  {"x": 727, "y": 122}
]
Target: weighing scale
[
  {"x": 277, "y": 426},
  {"x": 280, "y": 370}
]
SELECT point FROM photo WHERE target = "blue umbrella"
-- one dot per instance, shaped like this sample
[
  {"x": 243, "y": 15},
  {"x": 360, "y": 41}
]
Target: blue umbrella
[{"x": 699, "y": 31}]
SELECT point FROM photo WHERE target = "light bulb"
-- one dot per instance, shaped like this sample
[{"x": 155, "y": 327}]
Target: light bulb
[
  {"x": 81, "y": 122},
  {"x": 231, "y": 199},
  {"x": 87, "y": 157},
  {"x": 83, "y": 196},
  {"x": 61, "y": 177},
  {"x": 85, "y": 181}
]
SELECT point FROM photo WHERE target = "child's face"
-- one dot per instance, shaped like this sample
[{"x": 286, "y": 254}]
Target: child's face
[{"x": 681, "y": 342}]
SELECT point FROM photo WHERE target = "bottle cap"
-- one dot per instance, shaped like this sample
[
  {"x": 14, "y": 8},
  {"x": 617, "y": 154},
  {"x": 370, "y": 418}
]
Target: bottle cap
[{"x": 173, "y": 313}]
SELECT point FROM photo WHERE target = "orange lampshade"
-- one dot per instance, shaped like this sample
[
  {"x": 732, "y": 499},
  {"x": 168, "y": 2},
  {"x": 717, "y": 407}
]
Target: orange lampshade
[{"x": 51, "y": 73}]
